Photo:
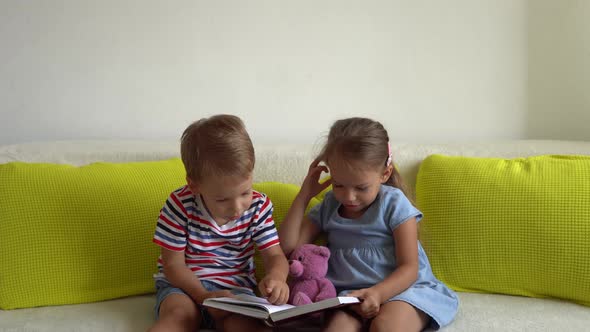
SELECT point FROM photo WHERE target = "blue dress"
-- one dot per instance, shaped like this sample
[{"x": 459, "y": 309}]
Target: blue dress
[{"x": 363, "y": 252}]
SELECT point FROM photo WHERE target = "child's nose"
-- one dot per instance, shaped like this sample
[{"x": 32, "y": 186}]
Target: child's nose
[
  {"x": 236, "y": 207},
  {"x": 349, "y": 196}
]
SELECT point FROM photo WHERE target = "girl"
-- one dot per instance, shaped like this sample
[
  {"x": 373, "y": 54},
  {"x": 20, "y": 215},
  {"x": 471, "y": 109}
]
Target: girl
[{"x": 372, "y": 233}]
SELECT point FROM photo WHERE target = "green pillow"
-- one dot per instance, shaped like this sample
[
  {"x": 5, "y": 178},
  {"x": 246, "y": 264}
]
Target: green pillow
[
  {"x": 80, "y": 234},
  {"x": 513, "y": 226},
  {"x": 83, "y": 234}
]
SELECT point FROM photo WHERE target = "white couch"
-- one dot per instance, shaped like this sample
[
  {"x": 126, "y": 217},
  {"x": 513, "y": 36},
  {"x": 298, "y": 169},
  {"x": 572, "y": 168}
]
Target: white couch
[{"x": 288, "y": 163}]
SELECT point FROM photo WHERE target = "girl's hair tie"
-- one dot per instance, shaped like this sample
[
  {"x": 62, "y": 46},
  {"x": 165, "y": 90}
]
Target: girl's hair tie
[{"x": 388, "y": 162}]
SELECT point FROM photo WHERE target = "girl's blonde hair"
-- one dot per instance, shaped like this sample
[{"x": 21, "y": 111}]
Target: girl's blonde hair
[
  {"x": 219, "y": 145},
  {"x": 361, "y": 140}
]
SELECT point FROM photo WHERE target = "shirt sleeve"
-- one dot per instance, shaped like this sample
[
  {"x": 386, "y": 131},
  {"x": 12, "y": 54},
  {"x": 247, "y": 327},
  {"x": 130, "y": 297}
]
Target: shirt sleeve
[
  {"x": 265, "y": 233},
  {"x": 172, "y": 223}
]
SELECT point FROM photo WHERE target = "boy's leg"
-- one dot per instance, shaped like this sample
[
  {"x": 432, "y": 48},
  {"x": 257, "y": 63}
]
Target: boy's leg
[
  {"x": 229, "y": 322},
  {"x": 177, "y": 312},
  {"x": 399, "y": 316}
]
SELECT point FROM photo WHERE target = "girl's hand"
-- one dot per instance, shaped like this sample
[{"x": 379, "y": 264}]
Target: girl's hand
[
  {"x": 311, "y": 185},
  {"x": 371, "y": 302}
]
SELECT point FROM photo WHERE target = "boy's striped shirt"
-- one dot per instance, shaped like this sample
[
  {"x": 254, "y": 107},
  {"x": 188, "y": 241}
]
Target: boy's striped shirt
[{"x": 220, "y": 254}]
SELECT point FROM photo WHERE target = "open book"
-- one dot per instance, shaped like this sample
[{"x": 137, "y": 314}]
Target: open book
[{"x": 258, "y": 307}]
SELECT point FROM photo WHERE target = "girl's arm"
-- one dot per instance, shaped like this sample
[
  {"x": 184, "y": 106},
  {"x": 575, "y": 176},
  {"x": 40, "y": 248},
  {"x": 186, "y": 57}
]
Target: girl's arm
[
  {"x": 405, "y": 274},
  {"x": 297, "y": 229},
  {"x": 406, "y": 253}
]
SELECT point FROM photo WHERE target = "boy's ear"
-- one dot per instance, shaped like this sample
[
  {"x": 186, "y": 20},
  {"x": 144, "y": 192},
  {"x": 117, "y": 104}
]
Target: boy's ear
[
  {"x": 192, "y": 185},
  {"x": 387, "y": 173}
]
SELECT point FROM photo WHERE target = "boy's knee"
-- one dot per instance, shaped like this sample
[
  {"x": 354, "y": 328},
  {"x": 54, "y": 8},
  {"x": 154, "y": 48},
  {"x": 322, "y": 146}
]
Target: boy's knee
[
  {"x": 177, "y": 318},
  {"x": 184, "y": 314}
]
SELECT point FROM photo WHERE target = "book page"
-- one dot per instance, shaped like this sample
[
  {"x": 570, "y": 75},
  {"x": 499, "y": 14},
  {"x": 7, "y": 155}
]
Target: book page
[
  {"x": 260, "y": 308},
  {"x": 313, "y": 307},
  {"x": 249, "y": 300}
]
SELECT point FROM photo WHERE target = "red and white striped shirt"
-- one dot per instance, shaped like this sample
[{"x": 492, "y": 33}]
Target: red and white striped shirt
[{"x": 220, "y": 254}]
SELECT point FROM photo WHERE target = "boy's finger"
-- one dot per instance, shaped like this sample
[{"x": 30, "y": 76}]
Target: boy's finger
[
  {"x": 273, "y": 295},
  {"x": 285, "y": 295},
  {"x": 262, "y": 288},
  {"x": 269, "y": 285},
  {"x": 280, "y": 296}
]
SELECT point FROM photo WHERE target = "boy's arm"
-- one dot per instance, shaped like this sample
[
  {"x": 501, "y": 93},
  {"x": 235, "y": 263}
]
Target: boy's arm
[
  {"x": 274, "y": 285},
  {"x": 179, "y": 275}
]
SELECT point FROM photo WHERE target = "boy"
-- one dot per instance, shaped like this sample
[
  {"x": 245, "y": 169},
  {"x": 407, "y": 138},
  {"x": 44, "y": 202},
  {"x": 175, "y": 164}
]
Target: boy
[{"x": 207, "y": 231}]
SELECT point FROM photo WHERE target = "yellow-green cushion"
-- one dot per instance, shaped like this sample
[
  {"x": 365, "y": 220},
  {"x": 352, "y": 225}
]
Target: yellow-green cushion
[
  {"x": 281, "y": 196},
  {"x": 82, "y": 234},
  {"x": 517, "y": 226}
]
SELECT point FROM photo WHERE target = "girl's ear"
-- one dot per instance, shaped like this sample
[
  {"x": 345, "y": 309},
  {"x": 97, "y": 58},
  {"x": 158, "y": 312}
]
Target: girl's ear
[
  {"x": 387, "y": 173},
  {"x": 192, "y": 185}
]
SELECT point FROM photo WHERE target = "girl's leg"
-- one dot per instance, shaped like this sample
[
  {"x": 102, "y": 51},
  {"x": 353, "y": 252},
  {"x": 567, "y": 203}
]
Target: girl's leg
[
  {"x": 343, "y": 321},
  {"x": 178, "y": 312},
  {"x": 399, "y": 316}
]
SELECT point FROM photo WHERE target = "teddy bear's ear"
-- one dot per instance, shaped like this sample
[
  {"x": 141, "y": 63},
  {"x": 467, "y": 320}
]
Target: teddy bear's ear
[{"x": 322, "y": 251}]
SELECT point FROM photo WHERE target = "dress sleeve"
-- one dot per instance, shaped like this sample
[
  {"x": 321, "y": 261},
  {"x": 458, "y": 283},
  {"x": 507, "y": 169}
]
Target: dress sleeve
[
  {"x": 172, "y": 224},
  {"x": 318, "y": 214},
  {"x": 265, "y": 233},
  {"x": 399, "y": 209}
]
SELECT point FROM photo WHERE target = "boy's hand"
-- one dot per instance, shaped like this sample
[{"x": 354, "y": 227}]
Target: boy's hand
[
  {"x": 217, "y": 314},
  {"x": 275, "y": 290},
  {"x": 371, "y": 302},
  {"x": 311, "y": 185}
]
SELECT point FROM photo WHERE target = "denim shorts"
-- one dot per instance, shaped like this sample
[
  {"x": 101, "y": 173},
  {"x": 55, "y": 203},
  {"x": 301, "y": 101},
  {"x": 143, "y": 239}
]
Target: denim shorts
[{"x": 163, "y": 289}]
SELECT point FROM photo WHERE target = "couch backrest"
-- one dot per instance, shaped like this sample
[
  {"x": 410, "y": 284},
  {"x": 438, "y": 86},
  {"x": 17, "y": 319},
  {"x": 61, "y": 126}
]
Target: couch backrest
[{"x": 277, "y": 162}]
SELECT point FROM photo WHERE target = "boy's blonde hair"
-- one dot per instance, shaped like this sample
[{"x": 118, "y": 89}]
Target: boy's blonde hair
[
  {"x": 218, "y": 145},
  {"x": 361, "y": 139}
]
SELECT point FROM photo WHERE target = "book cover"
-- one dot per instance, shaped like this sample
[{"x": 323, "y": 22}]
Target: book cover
[{"x": 258, "y": 307}]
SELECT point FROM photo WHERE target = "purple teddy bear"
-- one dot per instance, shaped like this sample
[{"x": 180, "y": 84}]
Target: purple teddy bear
[{"x": 308, "y": 266}]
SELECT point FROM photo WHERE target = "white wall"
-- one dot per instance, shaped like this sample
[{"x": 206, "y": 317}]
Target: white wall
[
  {"x": 429, "y": 70},
  {"x": 559, "y": 67}
]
